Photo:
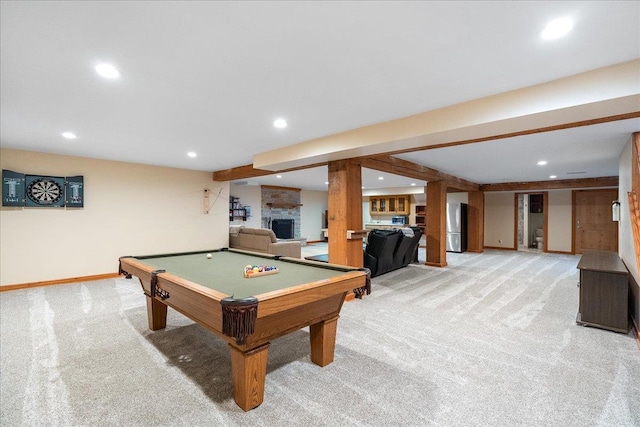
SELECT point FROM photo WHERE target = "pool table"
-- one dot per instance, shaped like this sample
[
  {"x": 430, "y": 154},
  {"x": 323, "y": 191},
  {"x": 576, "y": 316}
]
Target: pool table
[{"x": 248, "y": 312}]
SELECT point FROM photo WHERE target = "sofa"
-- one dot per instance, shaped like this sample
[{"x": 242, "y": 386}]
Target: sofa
[
  {"x": 389, "y": 250},
  {"x": 262, "y": 240}
]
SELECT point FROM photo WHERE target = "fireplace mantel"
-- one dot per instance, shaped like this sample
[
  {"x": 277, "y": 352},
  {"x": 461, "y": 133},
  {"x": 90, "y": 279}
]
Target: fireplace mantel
[{"x": 284, "y": 205}]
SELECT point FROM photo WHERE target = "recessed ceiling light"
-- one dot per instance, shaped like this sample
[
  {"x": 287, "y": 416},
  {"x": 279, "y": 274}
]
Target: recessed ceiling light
[
  {"x": 192, "y": 154},
  {"x": 326, "y": 183},
  {"x": 280, "y": 123},
  {"x": 557, "y": 28},
  {"x": 413, "y": 184},
  {"x": 542, "y": 163},
  {"x": 380, "y": 178},
  {"x": 107, "y": 71},
  {"x": 278, "y": 176},
  {"x": 69, "y": 135},
  {"x": 552, "y": 176}
]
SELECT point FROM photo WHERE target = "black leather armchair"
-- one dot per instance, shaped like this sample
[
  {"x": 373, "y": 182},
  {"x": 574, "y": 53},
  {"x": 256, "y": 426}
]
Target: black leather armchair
[
  {"x": 389, "y": 250},
  {"x": 378, "y": 254},
  {"x": 412, "y": 251}
]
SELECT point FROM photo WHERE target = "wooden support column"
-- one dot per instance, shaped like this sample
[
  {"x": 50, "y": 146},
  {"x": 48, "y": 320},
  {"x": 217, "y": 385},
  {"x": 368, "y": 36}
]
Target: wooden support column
[
  {"x": 475, "y": 221},
  {"x": 435, "y": 226},
  {"x": 345, "y": 212}
]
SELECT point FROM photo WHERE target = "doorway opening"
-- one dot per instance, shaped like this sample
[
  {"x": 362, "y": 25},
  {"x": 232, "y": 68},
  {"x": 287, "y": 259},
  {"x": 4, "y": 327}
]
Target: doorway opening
[{"x": 531, "y": 222}]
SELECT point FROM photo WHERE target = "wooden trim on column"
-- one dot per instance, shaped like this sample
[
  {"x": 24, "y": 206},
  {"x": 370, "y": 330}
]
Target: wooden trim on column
[
  {"x": 475, "y": 222},
  {"x": 435, "y": 227},
  {"x": 345, "y": 212}
]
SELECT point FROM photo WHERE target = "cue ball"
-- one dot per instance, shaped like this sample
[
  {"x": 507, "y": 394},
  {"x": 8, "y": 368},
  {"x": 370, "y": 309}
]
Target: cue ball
[{"x": 209, "y": 256}]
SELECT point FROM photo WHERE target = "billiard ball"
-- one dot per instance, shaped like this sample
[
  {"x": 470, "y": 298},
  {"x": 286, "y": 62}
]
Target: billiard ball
[{"x": 209, "y": 256}]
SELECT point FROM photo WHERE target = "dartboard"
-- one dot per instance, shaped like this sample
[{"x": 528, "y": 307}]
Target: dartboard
[{"x": 44, "y": 191}]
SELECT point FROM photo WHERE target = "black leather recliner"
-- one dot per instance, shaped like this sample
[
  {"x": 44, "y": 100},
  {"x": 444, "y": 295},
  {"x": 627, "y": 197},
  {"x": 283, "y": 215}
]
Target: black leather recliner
[
  {"x": 378, "y": 254},
  {"x": 388, "y": 250},
  {"x": 412, "y": 251}
]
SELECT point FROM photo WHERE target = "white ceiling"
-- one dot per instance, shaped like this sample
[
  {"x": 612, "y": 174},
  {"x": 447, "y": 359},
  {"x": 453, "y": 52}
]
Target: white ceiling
[{"x": 211, "y": 77}]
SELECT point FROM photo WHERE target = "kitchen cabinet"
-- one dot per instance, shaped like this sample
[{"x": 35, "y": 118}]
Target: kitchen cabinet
[{"x": 389, "y": 205}]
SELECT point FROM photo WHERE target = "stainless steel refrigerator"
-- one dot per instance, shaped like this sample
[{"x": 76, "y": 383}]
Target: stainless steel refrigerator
[{"x": 456, "y": 227}]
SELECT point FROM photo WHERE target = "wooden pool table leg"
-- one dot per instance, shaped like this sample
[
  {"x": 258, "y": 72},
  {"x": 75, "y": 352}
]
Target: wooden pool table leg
[
  {"x": 323, "y": 341},
  {"x": 249, "y": 370},
  {"x": 156, "y": 313}
]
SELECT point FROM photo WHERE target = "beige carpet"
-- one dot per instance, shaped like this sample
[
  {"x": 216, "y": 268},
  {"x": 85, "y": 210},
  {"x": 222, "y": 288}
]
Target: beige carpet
[{"x": 489, "y": 340}]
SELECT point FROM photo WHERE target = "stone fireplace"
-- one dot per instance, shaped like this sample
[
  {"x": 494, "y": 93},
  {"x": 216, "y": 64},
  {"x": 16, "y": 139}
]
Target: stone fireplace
[{"x": 281, "y": 203}]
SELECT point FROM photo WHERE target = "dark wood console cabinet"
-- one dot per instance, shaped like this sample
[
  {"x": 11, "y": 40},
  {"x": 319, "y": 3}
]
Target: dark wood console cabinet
[{"x": 604, "y": 291}]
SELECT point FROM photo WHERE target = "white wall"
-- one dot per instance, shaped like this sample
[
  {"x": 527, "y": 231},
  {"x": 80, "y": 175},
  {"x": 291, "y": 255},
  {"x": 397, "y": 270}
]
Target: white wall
[
  {"x": 499, "y": 219},
  {"x": 626, "y": 248},
  {"x": 314, "y": 205},
  {"x": 250, "y": 195},
  {"x": 560, "y": 221},
  {"x": 130, "y": 209}
]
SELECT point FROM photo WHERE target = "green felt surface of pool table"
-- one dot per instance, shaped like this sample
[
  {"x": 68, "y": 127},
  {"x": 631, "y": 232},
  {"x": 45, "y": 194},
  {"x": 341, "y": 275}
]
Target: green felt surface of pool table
[{"x": 224, "y": 271}]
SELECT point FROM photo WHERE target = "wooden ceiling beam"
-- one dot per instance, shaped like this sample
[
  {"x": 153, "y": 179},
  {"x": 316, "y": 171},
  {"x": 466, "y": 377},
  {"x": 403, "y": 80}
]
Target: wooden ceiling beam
[
  {"x": 248, "y": 171},
  {"x": 402, "y": 167},
  {"x": 382, "y": 163},
  {"x": 240, "y": 172},
  {"x": 608, "y": 181},
  {"x": 570, "y": 125},
  {"x": 396, "y": 166}
]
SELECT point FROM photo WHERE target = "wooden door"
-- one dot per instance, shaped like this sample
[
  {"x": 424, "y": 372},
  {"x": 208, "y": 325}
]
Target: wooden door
[{"x": 594, "y": 226}]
